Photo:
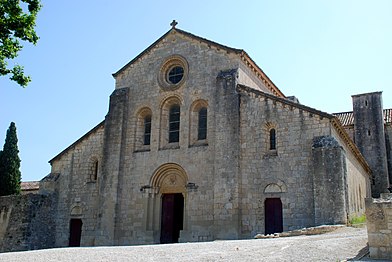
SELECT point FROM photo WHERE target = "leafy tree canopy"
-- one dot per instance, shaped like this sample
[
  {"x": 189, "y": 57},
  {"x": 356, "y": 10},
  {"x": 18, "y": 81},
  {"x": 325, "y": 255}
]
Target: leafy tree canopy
[
  {"x": 17, "y": 22},
  {"x": 10, "y": 176}
]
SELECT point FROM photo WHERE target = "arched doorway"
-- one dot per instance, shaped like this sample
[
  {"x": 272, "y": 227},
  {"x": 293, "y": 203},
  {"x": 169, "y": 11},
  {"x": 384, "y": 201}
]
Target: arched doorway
[
  {"x": 75, "y": 232},
  {"x": 170, "y": 181},
  {"x": 273, "y": 215}
]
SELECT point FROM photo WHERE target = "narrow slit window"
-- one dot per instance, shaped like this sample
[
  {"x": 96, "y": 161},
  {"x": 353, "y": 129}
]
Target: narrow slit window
[
  {"x": 147, "y": 130},
  {"x": 202, "y": 125},
  {"x": 272, "y": 139},
  {"x": 95, "y": 174},
  {"x": 174, "y": 124}
]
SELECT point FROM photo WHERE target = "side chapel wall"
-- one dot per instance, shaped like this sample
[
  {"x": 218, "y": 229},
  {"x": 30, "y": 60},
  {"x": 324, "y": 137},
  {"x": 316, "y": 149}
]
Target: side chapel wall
[
  {"x": 77, "y": 191},
  {"x": 290, "y": 164},
  {"x": 358, "y": 180}
]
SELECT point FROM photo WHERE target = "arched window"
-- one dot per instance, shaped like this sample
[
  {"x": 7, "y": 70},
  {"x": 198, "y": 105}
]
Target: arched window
[
  {"x": 174, "y": 123},
  {"x": 272, "y": 139},
  {"x": 143, "y": 129},
  {"x": 93, "y": 169},
  {"x": 147, "y": 130},
  {"x": 202, "y": 124},
  {"x": 198, "y": 121}
]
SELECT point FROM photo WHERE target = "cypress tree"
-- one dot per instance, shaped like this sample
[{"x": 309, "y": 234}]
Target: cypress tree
[{"x": 10, "y": 176}]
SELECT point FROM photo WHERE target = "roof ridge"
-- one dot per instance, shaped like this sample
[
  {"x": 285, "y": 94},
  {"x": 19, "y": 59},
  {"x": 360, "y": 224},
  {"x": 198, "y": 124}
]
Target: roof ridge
[
  {"x": 102, "y": 123},
  {"x": 235, "y": 50},
  {"x": 286, "y": 101},
  {"x": 346, "y": 112},
  {"x": 244, "y": 56},
  {"x": 334, "y": 121}
]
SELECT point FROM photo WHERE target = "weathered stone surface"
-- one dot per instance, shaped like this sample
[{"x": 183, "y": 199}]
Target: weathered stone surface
[
  {"x": 370, "y": 133},
  {"x": 379, "y": 217},
  {"x": 26, "y": 222},
  {"x": 260, "y": 146}
]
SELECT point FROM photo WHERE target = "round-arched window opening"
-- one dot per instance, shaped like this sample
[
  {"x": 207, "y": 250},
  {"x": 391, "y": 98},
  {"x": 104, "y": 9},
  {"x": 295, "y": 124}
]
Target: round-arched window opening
[{"x": 175, "y": 74}]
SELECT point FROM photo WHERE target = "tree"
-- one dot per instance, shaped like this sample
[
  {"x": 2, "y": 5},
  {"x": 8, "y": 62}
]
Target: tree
[
  {"x": 15, "y": 25},
  {"x": 9, "y": 164}
]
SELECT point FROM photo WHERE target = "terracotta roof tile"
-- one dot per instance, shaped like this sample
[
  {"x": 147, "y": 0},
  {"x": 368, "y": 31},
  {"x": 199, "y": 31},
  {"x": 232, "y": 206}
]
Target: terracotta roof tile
[
  {"x": 347, "y": 118},
  {"x": 388, "y": 115},
  {"x": 28, "y": 186}
]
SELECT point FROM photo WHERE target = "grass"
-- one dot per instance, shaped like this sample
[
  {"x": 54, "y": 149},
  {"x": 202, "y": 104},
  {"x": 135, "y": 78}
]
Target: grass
[{"x": 358, "y": 220}]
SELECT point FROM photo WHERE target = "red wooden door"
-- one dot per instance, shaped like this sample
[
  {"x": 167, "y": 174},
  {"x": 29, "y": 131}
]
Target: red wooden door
[
  {"x": 273, "y": 216},
  {"x": 172, "y": 217},
  {"x": 75, "y": 232}
]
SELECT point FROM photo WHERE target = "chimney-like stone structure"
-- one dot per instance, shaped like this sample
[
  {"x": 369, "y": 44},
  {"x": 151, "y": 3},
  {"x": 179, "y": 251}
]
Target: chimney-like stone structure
[{"x": 369, "y": 137}]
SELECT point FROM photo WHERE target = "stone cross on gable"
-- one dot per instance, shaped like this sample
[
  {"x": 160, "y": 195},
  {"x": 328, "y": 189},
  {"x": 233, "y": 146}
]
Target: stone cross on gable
[{"x": 173, "y": 24}]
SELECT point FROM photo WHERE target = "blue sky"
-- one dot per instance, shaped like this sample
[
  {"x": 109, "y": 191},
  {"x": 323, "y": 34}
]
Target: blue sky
[{"x": 320, "y": 51}]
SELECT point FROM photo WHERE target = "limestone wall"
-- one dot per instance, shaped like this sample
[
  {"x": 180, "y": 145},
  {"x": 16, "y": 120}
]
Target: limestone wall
[
  {"x": 358, "y": 181},
  {"x": 323, "y": 184},
  {"x": 212, "y": 210},
  {"x": 205, "y": 62},
  {"x": 388, "y": 141},
  {"x": 76, "y": 187},
  {"x": 247, "y": 77},
  {"x": 289, "y": 167},
  {"x": 379, "y": 226},
  {"x": 224, "y": 178},
  {"x": 26, "y": 222},
  {"x": 329, "y": 181},
  {"x": 370, "y": 137}
]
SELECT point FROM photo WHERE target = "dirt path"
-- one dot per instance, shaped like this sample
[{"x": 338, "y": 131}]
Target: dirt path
[{"x": 339, "y": 245}]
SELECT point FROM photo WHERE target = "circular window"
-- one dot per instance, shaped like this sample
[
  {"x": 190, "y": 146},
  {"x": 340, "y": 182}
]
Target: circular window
[
  {"x": 175, "y": 75},
  {"x": 173, "y": 72}
]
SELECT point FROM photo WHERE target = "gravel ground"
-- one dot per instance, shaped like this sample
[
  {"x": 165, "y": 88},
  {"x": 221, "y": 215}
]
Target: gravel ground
[{"x": 339, "y": 245}]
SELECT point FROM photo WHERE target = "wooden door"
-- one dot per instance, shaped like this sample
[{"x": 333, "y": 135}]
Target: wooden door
[
  {"x": 75, "y": 232},
  {"x": 273, "y": 216},
  {"x": 172, "y": 217}
]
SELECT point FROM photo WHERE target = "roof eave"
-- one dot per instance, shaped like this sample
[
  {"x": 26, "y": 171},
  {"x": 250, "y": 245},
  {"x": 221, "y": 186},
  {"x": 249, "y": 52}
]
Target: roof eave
[
  {"x": 176, "y": 30},
  {"x": 77, "y": 141},
  {"x": 260, "y": 73},
  {"x": 333, "y": 119},
  {"x": 142, "y": 53}
]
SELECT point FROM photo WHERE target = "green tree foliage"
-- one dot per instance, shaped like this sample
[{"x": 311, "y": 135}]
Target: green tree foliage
[
  {"x": 17, "y": 22},
  {"x": 10, "y": 176}
]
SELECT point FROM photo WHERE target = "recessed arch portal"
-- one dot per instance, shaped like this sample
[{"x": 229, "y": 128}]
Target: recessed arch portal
[
  {"x": 169, "y": 182},
  {"x": 169, "y": 178}
]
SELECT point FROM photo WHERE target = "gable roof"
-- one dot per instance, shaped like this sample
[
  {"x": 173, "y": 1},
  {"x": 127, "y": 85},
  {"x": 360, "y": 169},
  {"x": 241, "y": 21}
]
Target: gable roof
[
  {"x": 333, "y": 120},
  {"x": 347, "y": 118},
  {"x": 285, "y": 101},
  {"x": 102, "y": 124},
  {"x": 29, "y": 186},
  {"x": 240, "y": 52}
]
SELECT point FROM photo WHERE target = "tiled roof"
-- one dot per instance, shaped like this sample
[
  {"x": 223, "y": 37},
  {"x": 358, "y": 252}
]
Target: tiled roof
[
  {"x": 388, "y": 115},
  {"x": 29, "y": 186},
  {"x": 79, "y": 140},
  {"x": 347, "y": 118}
]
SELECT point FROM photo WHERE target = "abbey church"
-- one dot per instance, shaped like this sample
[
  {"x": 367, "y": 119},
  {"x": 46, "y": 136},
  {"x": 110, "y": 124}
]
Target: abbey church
[{"x": 199, "y": 144}]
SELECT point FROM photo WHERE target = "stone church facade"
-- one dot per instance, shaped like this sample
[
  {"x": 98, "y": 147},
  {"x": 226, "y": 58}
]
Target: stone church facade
[{"x": 199, "y": 144}]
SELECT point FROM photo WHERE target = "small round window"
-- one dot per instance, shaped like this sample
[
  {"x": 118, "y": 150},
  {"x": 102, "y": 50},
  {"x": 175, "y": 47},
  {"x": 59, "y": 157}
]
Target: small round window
[
  {"x": 175, "y": 75},
  {"x": 173, "y": 72}
]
